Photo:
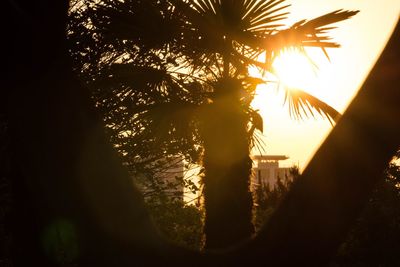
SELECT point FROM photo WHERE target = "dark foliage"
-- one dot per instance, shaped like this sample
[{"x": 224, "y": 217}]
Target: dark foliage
[
  {"x": 267, "y": 199},
  {"x": 374, "y": 240},
  {"x": 179, "y": 223}
]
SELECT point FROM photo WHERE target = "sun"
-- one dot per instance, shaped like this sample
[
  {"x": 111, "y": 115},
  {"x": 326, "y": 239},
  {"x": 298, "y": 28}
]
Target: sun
[
  {"x": 294, "y": 69},
  {"x": 291, "y": 69}
]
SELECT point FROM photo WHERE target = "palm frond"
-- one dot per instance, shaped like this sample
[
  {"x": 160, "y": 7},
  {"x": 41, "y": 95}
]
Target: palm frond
[
  {"x": 309, "y": 33},
  {"x": 304, "y": 33},
  {"x": 264, "y": 13},
  {"x": 132, "y": 74},
  {"x": 327, "y": 19},
  {"x": 129, "y": 21},
  {"x": 233, "y": 19},
  {"x": 257, "y": 141},
  {"x": 256, "y": 121},
  {"x": 302, "y": 104},
  {"x": 166, "y": 126}
]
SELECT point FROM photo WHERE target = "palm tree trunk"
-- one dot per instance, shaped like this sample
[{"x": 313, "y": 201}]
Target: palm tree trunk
[{"x": 228, "y": 201}]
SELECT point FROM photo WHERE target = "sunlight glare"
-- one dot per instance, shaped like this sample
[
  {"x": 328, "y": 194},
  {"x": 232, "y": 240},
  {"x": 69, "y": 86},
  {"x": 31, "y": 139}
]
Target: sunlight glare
[
  {"x": 294, "y": 69},
  {"x": 336, "y": 82}
]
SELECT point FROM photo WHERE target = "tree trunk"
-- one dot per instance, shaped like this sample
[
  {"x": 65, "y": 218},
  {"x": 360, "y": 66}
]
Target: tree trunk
[{"x": 227, "y": 164}]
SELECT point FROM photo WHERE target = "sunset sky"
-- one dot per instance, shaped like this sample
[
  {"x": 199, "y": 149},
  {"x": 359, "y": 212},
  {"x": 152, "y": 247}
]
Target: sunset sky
[{"x": 362, "y": 38}]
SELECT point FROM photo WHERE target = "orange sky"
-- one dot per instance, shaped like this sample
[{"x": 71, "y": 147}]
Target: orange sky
[{"x": 362, "y": 38}]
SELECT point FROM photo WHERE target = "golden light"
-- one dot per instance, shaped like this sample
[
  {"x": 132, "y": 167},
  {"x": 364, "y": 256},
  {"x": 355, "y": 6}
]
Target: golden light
[
  {"x": 294, "y": 69},
  {"x": 291, "y": 69},
  {"x": 335, "y": 82}
]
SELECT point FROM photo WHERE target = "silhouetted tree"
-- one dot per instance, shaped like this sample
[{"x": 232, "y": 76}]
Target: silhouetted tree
[{"x": 171, "y": 78}]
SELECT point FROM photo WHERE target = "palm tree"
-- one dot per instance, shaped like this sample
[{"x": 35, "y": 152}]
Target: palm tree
[{"x": 171, "y": 78}]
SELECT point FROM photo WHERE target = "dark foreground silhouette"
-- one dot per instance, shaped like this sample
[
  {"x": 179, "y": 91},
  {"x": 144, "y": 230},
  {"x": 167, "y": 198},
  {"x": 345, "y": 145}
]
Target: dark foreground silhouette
[{"x": 71, "y": 191}]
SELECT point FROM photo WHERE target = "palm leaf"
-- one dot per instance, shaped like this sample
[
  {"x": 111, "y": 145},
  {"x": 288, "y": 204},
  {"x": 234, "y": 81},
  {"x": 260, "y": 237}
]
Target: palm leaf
[
  {"x": 303, "y": 104},
  {"x": 133, "y": 75},
  {"x": 309, "y": 33},
  {"x": 302, "y": 34},
  {"x": 234, "y": 19},
  {"x": 264, "y": 14},
  {"x": 170, "y": 120},
  {"x": 129, "y": 20},
  {"x": 256, "y": 121}
]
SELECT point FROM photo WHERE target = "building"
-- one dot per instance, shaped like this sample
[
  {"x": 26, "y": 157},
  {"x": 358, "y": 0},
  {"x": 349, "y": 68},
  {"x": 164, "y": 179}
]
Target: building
[
  {"x": 171, "y": 176},
  {"x": 266, "y": 170}
]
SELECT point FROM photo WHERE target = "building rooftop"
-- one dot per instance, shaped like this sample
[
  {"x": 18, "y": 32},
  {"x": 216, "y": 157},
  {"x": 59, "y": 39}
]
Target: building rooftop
[{"x": 270, "y": 157}]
